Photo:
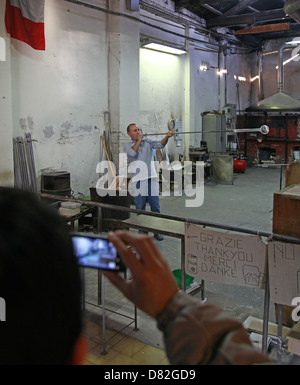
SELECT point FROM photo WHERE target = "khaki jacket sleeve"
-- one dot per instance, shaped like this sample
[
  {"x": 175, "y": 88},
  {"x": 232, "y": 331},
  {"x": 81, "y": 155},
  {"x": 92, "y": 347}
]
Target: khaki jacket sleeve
[{"x": 197, "y": 333}]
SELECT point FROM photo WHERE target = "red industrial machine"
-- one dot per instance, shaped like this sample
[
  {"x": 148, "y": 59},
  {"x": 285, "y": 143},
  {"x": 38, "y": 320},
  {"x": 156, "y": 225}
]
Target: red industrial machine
[
  {"x": 239, "y": 165},
  {"x": 280, "y": 112},
  {"x": 280, "y": 146}
]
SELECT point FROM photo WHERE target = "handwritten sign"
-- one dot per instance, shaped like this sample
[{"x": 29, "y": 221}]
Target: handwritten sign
[
  {"x": 284, "y": 272},
  {"x": 227, "y": 258}
]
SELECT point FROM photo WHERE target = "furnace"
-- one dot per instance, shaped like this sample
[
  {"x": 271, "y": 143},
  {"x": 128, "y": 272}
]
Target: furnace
[{"x": 282, "y": 143}]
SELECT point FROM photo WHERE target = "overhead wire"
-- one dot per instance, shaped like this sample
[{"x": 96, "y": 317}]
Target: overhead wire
[{"x": 163, "y": 14}]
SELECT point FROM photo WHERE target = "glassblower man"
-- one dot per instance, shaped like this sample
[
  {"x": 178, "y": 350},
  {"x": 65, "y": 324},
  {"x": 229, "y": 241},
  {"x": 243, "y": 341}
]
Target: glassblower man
[{"x": 145, "y": 183}]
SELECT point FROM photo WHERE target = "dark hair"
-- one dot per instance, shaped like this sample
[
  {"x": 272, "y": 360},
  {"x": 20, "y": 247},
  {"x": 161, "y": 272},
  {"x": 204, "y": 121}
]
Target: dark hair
[
  {"x": 39, "y": 281},
  {"x": 129, "y": 125}
]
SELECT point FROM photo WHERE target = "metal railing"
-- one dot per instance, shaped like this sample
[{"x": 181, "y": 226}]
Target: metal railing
[{"x": 269, "y": 235}]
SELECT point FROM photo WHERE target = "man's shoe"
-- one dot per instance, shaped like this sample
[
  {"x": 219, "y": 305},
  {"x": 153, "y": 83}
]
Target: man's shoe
[{"x": 159, "y": 237}]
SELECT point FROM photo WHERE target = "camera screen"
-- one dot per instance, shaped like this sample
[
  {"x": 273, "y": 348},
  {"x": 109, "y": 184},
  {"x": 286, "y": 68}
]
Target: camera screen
[{"x": 97, "y": 253}]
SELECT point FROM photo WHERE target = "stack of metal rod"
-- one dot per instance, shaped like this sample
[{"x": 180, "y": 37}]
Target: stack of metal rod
[{"x": 24, "y": 164}]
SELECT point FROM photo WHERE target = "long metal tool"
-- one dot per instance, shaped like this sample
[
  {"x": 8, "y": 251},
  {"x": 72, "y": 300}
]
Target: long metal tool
[
  {"x": 264, "y": 129},
  {"x": 107, "y": 156},
  {"x": 30, "y": 162}
]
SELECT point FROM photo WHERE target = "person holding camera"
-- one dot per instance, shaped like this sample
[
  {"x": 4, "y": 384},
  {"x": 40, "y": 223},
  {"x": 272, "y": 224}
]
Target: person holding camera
[
  {"x": 40, "y": 284},
  {"x": 194, "y": 332}
]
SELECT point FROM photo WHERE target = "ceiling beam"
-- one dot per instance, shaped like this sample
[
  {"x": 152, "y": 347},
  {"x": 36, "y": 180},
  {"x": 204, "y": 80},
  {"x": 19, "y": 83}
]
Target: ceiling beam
[
  {"x": 179, "y": 4},
  {"x": 240, "y": 6},
  {"x": 211, "y": 9},
  {"x": 263, "y": 29},
  {"x": 249, "y": 18},
  {"x": 252, "y": 9}
]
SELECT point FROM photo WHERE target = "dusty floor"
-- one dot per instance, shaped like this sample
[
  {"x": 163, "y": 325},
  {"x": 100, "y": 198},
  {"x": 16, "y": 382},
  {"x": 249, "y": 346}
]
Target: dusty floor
[{"x": 247, "y": 203}]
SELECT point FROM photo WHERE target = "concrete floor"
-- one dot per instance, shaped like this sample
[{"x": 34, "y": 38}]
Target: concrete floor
[{"x": 247, "y": 203}]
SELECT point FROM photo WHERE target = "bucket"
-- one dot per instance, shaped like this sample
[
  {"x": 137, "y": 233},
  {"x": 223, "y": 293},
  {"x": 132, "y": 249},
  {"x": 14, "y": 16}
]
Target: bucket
[
  {"x": 177, "y": 275},
  {"x": 56, "y": 183},
  {"x": 117, "y": 200}
]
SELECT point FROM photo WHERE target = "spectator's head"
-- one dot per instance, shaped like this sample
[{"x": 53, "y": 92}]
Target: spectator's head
[{"x": 39, "y": 281}]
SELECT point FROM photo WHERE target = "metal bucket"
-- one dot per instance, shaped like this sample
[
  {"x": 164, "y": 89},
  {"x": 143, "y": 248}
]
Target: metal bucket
[{"x": 112, "y": 200}]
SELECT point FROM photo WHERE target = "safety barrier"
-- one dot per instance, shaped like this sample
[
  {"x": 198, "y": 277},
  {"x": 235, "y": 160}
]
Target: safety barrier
[{"x": 265, "y": 260}]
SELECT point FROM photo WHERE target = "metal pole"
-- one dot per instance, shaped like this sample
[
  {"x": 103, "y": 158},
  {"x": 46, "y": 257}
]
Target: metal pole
[
  {"x": 279, "y": 331},
  {"x": 266, "y": 310},
  {"x": 104, "y": 352},
  {"x": 263, "y": 130},
  {"x": 176, "y": 218}
]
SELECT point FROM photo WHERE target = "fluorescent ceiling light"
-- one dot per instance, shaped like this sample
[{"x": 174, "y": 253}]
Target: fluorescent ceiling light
[
  {"x": 164, "y": 48},
  {"x": 289, "y": 60},
  {"x": 204, "y": 66},
  {"x": 221, "y": 72},
  {"x": 240, "y": 78},
  {"x": 254, "y": 78},
  {"x": 293, "y": 42}
]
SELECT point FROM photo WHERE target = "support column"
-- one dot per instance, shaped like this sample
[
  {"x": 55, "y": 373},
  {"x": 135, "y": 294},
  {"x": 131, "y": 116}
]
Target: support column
[
  {"x": 6, "y": 123},
  {"x": 123, "y": 74},
  {"x": 188, "y": 104}
]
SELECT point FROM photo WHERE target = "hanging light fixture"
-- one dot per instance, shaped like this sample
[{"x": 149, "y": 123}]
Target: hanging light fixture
[
  {"x": 292, "y": 9},
  {"x": 162, "y": 46}
]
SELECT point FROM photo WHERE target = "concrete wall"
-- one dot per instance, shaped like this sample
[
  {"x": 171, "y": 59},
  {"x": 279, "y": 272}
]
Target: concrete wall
[
  {"x": 175, "y": 87},
  {"x": 123, "y": 74},
  {"x": 84, "y": 83},
  {"x": 60, "y": 94},
  {"x": 94, "y": 77},
  {"x": 162, "y": 93},
  {"x": 6, "y": 144}
]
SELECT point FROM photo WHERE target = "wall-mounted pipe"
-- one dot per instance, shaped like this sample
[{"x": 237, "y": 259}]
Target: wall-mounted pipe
[
  {"x": 280, "y": 74},
  {"x": 260, "y": 96},
  {"x": 280, "y": 63}
]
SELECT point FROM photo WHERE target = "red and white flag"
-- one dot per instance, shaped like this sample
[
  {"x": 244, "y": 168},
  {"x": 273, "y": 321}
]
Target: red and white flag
[{"x": 24, "y": 20}]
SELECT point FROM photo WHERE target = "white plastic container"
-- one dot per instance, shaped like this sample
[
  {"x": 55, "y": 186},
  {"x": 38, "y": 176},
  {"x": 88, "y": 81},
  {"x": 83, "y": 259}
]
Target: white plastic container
[
  {"x": 296, "y": 154},
  {"x": 69, "y": 208}
]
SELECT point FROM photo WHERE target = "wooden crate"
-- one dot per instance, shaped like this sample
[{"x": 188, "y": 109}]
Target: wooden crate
[
  {"x": 286, "y": 221},
  {"x": 286, "y": 209}
]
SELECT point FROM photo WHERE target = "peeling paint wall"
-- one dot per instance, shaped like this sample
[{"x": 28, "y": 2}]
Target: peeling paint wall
[
  {"x": 6, "y": 145},
  {"x": 174, "y": 87},
  {"x": 60, "y": 95},
  {"x": 93, "y": 64},
  {"x": 238, "y": 92},
  {"x": 162, "y": 93}
]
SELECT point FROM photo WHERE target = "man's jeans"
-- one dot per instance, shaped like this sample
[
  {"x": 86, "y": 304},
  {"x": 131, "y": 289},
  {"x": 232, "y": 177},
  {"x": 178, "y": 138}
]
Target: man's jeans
[{"x": 153, "y": 200}]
